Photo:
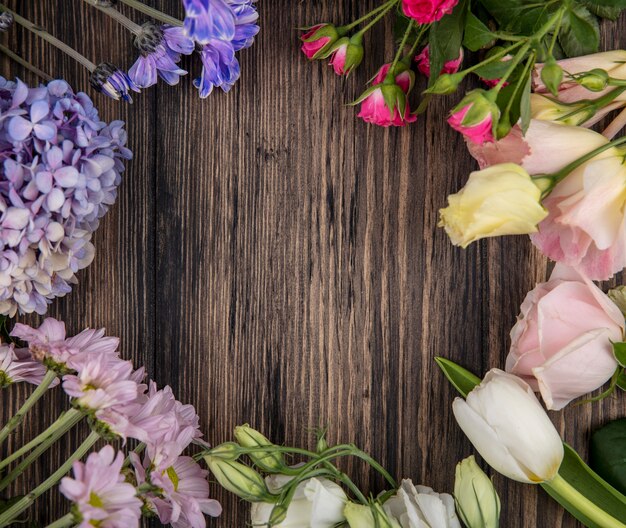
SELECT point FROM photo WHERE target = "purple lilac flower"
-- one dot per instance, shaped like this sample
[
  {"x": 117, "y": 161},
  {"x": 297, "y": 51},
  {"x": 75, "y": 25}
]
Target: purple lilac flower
[
  {"x": 220, "y": 67},
  {"x": 112, "y": 82},
  {"x": 99, "y": 492},
  {"x": 161, "y": 48},
  {"x": 61, "y": 166},
  {"x": 209, "y": 19}
]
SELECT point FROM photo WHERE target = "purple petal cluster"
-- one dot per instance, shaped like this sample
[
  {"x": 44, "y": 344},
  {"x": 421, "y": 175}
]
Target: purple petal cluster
[
  {"x": 61, "y": 166},
  {"x": 221, "y": 28},
  {"x": 120, "y": 405}
]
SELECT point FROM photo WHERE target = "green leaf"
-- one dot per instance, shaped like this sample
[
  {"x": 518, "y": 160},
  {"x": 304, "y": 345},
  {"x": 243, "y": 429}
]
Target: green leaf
[
  {"x": 608, "y": 453},
  {"x": 477, "y": 34},
  {"x": 621, "y": 380},
  {"x": 462, "y": 379},
  {"x": 618, "y": 4},
  {"x": 603, "y": 11},
  {"x": 525, "y": 112},
  {"x": 580, "y": 33},
  {"x": 519, "y": 16},
  {"x": 577, "y": 479},
  {"x": 619, "y": 349},
  {"x": 445, "y": 39}
]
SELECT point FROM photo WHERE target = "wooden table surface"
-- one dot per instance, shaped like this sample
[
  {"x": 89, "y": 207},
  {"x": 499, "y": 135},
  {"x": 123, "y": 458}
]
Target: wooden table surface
[{"x": 278, "y": 262}]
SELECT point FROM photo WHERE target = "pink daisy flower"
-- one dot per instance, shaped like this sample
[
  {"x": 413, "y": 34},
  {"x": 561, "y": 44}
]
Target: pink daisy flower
[{"x": 16, "y": 364}]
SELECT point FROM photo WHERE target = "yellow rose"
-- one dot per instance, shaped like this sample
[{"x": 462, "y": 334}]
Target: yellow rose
[{"x": 499, "y": 200}]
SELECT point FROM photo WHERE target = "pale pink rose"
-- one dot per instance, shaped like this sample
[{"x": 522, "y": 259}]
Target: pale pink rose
[
  {"x": 561, "y": 344},
  {"x": 427, "y": 11},
  {"x": 423, "y": 62},
  {"x": 535, "y": 151},
  {"x": 586, "y": 224},
  {"x": 479, "y": 133}
]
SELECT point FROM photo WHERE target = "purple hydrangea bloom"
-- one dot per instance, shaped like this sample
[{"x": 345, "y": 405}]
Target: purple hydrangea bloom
[
  {"x": 220, "y": 67},
  {"x": 161, "y": 48},
  {"x": 61, "y": 166},
  {"x": 209, "y": 19},
  {"x": 112, "y": 82}
]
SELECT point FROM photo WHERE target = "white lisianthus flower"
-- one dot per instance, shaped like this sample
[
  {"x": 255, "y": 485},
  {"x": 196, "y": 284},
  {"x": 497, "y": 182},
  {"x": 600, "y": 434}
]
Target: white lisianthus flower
[
  {"x": 317, "y": 503},
  {"x": 421, "y": 507},
  {"x": 509, "y": 428}
]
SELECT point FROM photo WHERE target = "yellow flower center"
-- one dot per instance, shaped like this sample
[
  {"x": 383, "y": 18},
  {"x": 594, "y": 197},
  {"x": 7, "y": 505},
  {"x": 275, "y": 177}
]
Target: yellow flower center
[{"x": 95, "y": 501}]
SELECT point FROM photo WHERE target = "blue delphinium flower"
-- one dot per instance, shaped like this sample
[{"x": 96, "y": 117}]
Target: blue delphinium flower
[
  {"x": 161, "y": 48},
  {"x": 209, "y": 19},
  {"x": 112, "y": 81}
]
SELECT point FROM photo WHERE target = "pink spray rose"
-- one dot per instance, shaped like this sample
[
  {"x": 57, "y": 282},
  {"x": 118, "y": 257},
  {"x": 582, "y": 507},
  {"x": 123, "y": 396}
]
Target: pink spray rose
[
  {"x": 346, "y": 54},
  {"x": 423, "y": 63},
  {"x": 316, "y": 42},
  {"x": 374, "y": 102},
  {"x": 427, "y": 11},
  {"x": 475, "y": 117},
  {"x": 561, "y": 344}
]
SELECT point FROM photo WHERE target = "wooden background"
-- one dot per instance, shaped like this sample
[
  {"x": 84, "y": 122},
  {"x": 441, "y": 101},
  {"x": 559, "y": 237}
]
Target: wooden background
[{"x": 278, "y": 262}]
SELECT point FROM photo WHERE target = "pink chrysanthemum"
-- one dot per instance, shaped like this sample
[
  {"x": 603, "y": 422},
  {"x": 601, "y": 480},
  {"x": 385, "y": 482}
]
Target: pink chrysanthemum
[{"x": 16, "y": 364}]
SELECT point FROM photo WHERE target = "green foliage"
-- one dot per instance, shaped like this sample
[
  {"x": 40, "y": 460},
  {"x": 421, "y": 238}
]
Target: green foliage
[
  {"x": 477, "y": 34},
  {"x": 446, "y": 37},
  {"x": 608, "y": 453},
  {"x": 580, "y": 33},
  {"x": 462, "y": 379},
  {"x": 619, "y": 350}
]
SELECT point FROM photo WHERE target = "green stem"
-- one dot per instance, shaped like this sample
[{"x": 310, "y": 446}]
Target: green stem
[
  {"x": 492, "y": 58},
  {"x": 355, "y": 23},
  {"x": 63, "y": 424},
  {"x": 550, "y": 23},
  {"x": 25, "y": 502},
  {"x": 14, "y": 422},
  {"x": 583, "y": 504},
  {"x": 42, "y": 33},
  {"x": 520, "y": 83},
  {"x": 556, "y": 32},
  {"x": 138, "y": 450},
  {"x": 378, "y": 467},
  {"x": 28, "y": 66},
  {"x": 418, "y": 39},
  {"x": 591, "y": 106},
  {"x": 377, "y": 19},
  {"x": 152, "y": 12},
  {"x": 117, "y": 16},
  {"x": 391, "y": 73},
  {"x": 512, "y": 65},
  {"x": 63, "y": 522},
  {"x": 345, "y": 479}
]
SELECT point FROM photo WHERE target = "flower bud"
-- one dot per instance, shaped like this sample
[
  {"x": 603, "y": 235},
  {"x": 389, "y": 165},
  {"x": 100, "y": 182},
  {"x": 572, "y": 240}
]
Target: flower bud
[
  {"x": 225, "y": 451},
  {"x": 552, "y": 76},
  {"x": 346, "y": 54},
  {"x": 547, "y": 109},
  {"x": 476, "y": 117},
  {"x": 478, "y": 503},
  {"x": 595, "y": 80},
  {"x": 500, "y": 200},
  {"x": 239, "y": 479},
  {"x": 318, "y": 40},
  {"x": 446, "y": 83},
  {"x": 270, "y": 460},
  {"x": 6, "y": 21},
  {"x": 372, "y": 516}
]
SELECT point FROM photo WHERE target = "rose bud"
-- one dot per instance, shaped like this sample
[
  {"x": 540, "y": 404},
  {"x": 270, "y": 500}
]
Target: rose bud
[
  {"x": 552, "y": 76},
  {"x": 500, "y": 200},
  {"x": 346, "y": 54},
  {"x": 561, "y": 343},
  {"x": 385, "y": 102},
  {"x": 423, "y": 63},
  {"x": 318, "y": 40},
  {"x": 477, "y": 501},
  {"x": 476, "y": 117},
  {"x": 508, "y": 427}
]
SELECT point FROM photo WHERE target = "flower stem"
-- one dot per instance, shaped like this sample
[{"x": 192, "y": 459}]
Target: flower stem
[
  {"x": 583, "y": 504},
  {"x": 355, "y": 23},
  {"x": 152, "y": 12},
  {"x": 42, "y": 33},
  {"x": 378, "y": 17},
  {"x": 492, "y": 58},
  {"x": 117, "y": 16},
  {"x": 64, "y": 423},
  {"x": 391, "y": 74},
  {"x": 417, "y": 41},
  {"x": 25, "y": 64},
  {"x": 25, "y": 502},
  {"x": 14, "y": 422},
  {"x": 512, "y": 65},
  {"x": 63, "y": 522}
]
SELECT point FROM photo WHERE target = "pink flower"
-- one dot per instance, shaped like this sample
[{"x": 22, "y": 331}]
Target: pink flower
[
  {"x": 16, "y": 364},
  {"x": 99, "y": 492},
  {"x": 346, "y": 54},
  {"x": 316, "y": 42},
  {"x": 374, "y": 102},
  {"x": 427, "y": 11},
  {"x": 561, "y": 344},
  {"x": 476, "y": 126},
  {"x": 103, "y": 382},
  {"x": 423, "y": 63},
  {"x": 184, "y": 491}
]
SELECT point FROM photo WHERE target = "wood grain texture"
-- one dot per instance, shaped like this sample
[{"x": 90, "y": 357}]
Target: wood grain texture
[{"x": 278, "y": 262}]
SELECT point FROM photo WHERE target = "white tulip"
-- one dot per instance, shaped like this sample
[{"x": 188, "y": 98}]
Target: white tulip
[
  {"x": 317, "y": 503},
  {"x": 421, "y": 507},
  {"x": 508, "y": 427}
]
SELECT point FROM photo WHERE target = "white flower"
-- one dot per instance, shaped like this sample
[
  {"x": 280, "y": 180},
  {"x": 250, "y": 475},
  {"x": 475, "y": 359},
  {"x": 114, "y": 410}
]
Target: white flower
[
  {"x": 421, "y": 507},
  {"x": 317, "y": 503},
  {"x": 508, "y": 427},
  {"x": 478, "y": 502}
]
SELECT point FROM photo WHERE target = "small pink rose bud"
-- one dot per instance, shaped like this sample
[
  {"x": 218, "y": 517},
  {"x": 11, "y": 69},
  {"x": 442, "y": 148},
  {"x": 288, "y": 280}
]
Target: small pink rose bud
[
  {"x": 346, "y": 54},
  {"x": 423, "y": 63},
  {"x": 427, "y": 11},
  {"x": 476, "y": 117},
  {"x": 318, "y": 40}
]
